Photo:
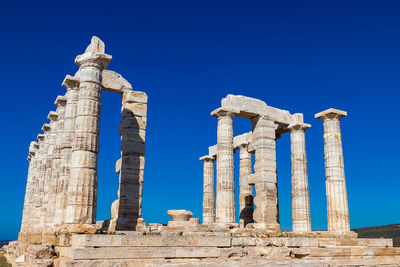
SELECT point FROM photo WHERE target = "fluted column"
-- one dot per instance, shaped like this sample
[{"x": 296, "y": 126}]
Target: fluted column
[
  {"x": 225, "y": 204},
  {"x": 57, "y": 129},
  {"x": 208, "y": 189},
  {"x": 28, "y": 201},
  {"x": 72, "y": 86},
  {"x": 36, "y": 202},
  {"x": 246, "y": 190},
  {"x": 301, "y": 222},
  {"x": 43, "y": 182},
  {"x": 337, "y": 206},
  {"x": 82, "y": 190},
  {"x": 264, "y": 178}
]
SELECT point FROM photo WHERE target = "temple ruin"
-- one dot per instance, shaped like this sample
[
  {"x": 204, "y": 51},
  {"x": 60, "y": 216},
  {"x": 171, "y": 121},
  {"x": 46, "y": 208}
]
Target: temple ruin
[{"x": 59, "y": 226}]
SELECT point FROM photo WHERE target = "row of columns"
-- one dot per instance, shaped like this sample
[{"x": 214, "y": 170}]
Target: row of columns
[
  {"x": 62, "y": 177},
  {"x": 266, "y": 214}
]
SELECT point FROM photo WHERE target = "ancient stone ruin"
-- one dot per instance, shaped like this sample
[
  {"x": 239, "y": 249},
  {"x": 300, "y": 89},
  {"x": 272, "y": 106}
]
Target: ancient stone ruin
[{"x": 59, "y": 226}]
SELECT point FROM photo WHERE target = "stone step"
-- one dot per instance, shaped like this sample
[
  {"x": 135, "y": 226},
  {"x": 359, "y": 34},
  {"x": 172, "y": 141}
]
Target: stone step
[
  {"x": 138, "y": 252},
  {"x": 353, "y": 252},
  {"x": 149, "y": 241}
]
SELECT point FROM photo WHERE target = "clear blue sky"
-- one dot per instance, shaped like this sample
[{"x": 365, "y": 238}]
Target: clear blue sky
[{"x": 302, "y": 56}]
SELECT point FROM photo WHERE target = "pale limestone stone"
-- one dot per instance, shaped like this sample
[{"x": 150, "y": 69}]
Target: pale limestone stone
[
  {"x": 266, "y": 200},
  {"x": 338, "y": 211},
  {"x": 300, "y": 197},
  {"x": 81, "y": 204},
  {"x": 72, "y": 86},
  {"x": 114, "y": 82},
  {"x": 180, "y": 215},
  {"x": 208, "y": 190},
  {"x": 246, "y": 190},
  {"x": 225, "y": 200}
]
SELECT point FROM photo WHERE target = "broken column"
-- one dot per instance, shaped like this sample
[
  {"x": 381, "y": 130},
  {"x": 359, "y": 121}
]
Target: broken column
[
  {"x": 208, "y": 189},
  {"x": 225, "y": 204},
  {"x": 338, "y": 212},
  {"x": 300, "y": 197},
  {"x": 128, "y": 207},
  {"x": 72, "y": 86},
  {"x": 264, "y": 178},
  {"x": 82, "y": 189},
  {"x": 246, "y": 190}
]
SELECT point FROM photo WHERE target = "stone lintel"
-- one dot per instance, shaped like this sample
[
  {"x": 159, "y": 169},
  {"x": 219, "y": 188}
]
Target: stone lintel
[
  {"x": 53, "y": 116},
  {"x": 331, "y": 113},
  {"x": 114, "y": 82},
  {"x": 60, "y": 101},
  {"x": 224, "y": 112},
  {"x": 299, "y": 126},
  {"x": 207, "y": 158},
  {"x": 46, "y": 127},
  {"x": 70, "y": 82},
  {"x": 242, "y": 140}
]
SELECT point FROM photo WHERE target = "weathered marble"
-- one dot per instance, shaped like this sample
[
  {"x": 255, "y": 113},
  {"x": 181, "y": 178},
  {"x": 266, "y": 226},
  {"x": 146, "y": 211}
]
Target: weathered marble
[
  {"x": 225, "y": 200},
  {"x": 301, "y": 221},
  {"x": 336, "y": 194},
  {"x": 266, "y": 213},
  {"x": 246, "y": 190},
  {"x": 81, "y": 204},
  {"x": 72, "y": 85},
  {"x": 208, "y": 189}
]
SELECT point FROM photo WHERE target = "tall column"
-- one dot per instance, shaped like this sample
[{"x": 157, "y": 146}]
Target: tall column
[
  {"x": 225, "y": 204},
  {"x": 208, "y": 189},
  {"x": 57, "y": 129},
  {"x": 49, "y": 183},
  {"x": 246, "y": 190},
  {"x": 43, "y": 185},
  {"x": 338, "y": 211},
  {"x": 27, "y": 211},
  {"x": 72, "y": 86},
  {"x": 300, "y": 197},
  {"x": 82, "y": 190},
  {"x": 37, "y": 197},
  {"x": 131, "y": 170},
  {"x": 264, "y": 178}
]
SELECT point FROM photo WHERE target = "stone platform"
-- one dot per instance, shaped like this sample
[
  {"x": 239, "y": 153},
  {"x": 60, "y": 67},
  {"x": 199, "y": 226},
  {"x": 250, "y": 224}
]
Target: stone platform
[{"x": 209, "y": 249}]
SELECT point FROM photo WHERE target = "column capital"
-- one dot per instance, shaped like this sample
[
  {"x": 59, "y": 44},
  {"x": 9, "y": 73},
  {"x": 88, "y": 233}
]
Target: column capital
[
  {"x": 299, "y": 126},
  {"x": 94, "y": 55},
  {"x": 40, "y": 137},
  {"x": 60, "y": 101},
  {"x": 46, "y": 127},
  {"x": 70, "y": 82},
  {"x": 53, "y": 116},
  {"x": 221, "y": 112},
  {"x": 331, "y": 113},
  {"x": 207, "y": 158}
]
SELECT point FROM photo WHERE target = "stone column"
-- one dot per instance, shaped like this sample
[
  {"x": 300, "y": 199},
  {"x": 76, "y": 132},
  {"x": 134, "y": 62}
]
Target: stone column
[
  {"x": 37, "y": 197},
  {"x": 128, "y": 208},
  {"x": 57, "y": 129},
  {"x": 72, "y": 86},
  {"x": 264, "y": 178},
  {"x": 43, "y": 183},
  {"x": 48, "y": 185},
  {"x": 208, "y": 190},
  {"x": 28, "y": 205},
  {"x": 82, "y": 190},
  {"x": 300, "y": 198},
  {"x": 225, "y": 204},
  {"x": 338, "y": 212},
  {"x": 246, "y": 190}
]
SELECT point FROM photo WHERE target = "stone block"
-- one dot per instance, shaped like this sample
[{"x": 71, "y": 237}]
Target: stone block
[
  {"x": 134, "y": 97},
  {"x": 137, "y": 109}
]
